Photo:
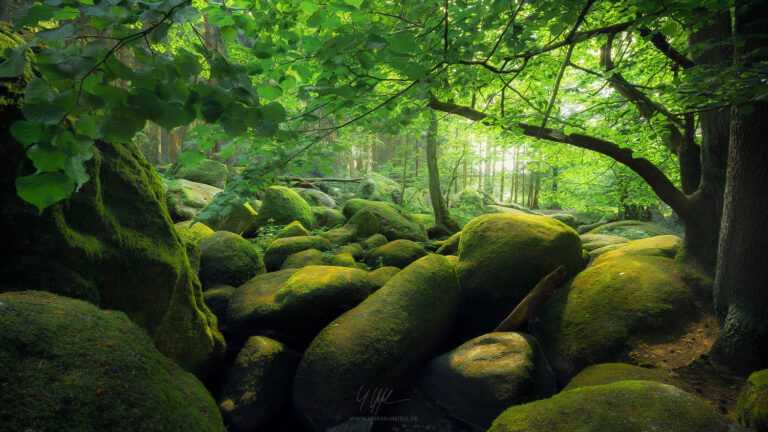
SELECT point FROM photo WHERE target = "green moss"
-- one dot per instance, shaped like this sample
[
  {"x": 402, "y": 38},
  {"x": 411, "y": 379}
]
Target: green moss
[
  {"x": 237, "y": 220},
  {"x": 376, "y": 187},
  {"x": 398, "y": 253},
  {"x": 665, "y": 246},
  {"x": 294, "y": 305},
  {"x": 608, "y": 373},
  {"x": 752, "y": 408},
  {"x": 373, "y": 242},
  {"x": 450, "y": 246},
  {"x": 393, "y": 222},
  {"x": 381, "y": 276},
  {"x": 316, "y": 197},
  {"x": 343, "y": 260},
  {"x": 597, "y": 316},
  {"x": 282, "y": 206},
  {"x": 567, "y": 219},
  {"x": 467, "y": 206},
  {"x": 631, "y": 229},
  {"x": 93, "y": 370},
  {"x": 302, "y": 259},
  {"x": 12, "y": 90},
  {"x": 360, "y": 225},
  {"x": 207, "y": 171},
  {"x": 280, "y": 249},
  {"x": 694, "y": 272},
  {"x": 380, "y": 343},
  {"x": 328, "y": 217},
  {"x": 607, "y": 248},
  {"x": 189, "y": 193},
  {"x": 293, "y": 229},
  {"x": 259, "y": 384},
  {"x": 192, "y": 232},
  {"x": 217, "y": 298},
  {"x": 591, "y": 242},
  {"x": 228, "y": 259},
  {"x": 627, "y": 406},
  {"x": 354, "y": 249},
  {"x": 502, "y": 256}
]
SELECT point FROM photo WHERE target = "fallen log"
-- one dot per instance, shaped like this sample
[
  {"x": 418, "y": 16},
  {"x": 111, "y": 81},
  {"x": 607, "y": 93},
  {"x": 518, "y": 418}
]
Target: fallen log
[
  {"x": 527, "y": 309},
  {"x": 509, "y": 205},
  {"x": 319, "y": 179}
]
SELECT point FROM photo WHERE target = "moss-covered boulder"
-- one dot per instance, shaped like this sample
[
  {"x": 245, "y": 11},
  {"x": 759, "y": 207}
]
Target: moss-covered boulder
[
  {"x": 567, "y": 219},
  {"x": 376, "y": 187},
  {"x": 303, "y": 259},
  {"x": 328, "y": 217},
  {"x": 450, "y": 246},
  {"x": 192, "y": 231},
  {"x": 591, "y": 242},
  {"x": 468, "y": 205},
  {"x": 316, "y": 197},
  {"x": 66, "y": 365},
  {"x": 280, "y": 249},
  {"x": 228, "y": 259},
  {"x": 627, "y": 406},
  {"x": 259, "y": 384},
  {"x": 282, "y": 206},
  {"x": 343, "y": 260},
  {"x": 600, "y": 251},
  {"x": 293, "y": 229},
  {"x": 355, "y": 249},
  {"x": 381, "y": 343},
  {"x": 111, "y": 243},
  {"x": 373, "y": 242},
  {"x": 481, "y": 378},
  {"x": 453, "y": 259},
  {"x": 491, "y": 208},
  {"x": 607, "y": 373},
  {"x": 398, "y": 253},
  {"x": 502, "y": 256},
  {"x": 631, "y": 229},
  {"x": 239, "y": 216},
  {"x": 665, "y": 246},
  {"x": 602, "y": 313},
  {"x": 217, "y": 298},
  {"x": 381, "y": 276},
  {"x": 294, "y": 309},
  {"x": 360, "y": 225},
  {"x": 207, "y": 171},
  {"x": 185, "y": 198},
  {"x": 393, "y": 222},
  {"x": 752, "y": 408}
]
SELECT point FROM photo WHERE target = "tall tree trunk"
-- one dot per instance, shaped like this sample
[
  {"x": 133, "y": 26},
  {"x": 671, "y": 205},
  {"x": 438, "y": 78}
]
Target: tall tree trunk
[
  {"x": 464, "y": 175},
  {"x": 165, "y": 150},
  {"x": 516, "y": 175},
  {"x": 535, "y": 203},
  {"x": 501, "y": 180},
  {"x": 444, "y": 225},
  {"x": 741, "y": 283}
]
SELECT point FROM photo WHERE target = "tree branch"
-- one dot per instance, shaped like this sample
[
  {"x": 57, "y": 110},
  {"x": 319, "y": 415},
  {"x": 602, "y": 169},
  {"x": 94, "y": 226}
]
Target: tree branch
[{"x": 660, "y": 42}]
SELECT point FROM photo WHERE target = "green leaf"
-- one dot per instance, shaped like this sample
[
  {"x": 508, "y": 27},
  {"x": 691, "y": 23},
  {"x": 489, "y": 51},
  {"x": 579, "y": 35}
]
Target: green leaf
[
  {"x": 27, "y": 132},
  {"x": 228, "y": 33},
  {"x": 30, "y": 16},
  {"x": 58, "y": 33},
  {"x": 43, "y": 105},
  {"x": 15, "y": 62},
  {"x": 46, "y": 157},
  {"x": 44, "y": 189},
  {"x": 309, "y": 7},
  {"x": 174, "y": 114},
  {"x": 274, "y": 111},
  {"x": 211, "y": 110},
  {"x": 269, "y": 92},
  {"x": 67, "y": 13},
  {"x": 376, "y": 42},
  {"x": 355, "y": 3},
  {"x": 160, "y": 32},
  {"x": 191, "y": 157},
  {"x": 403, "y": 43},
  {"x": 415, "y": 71}
]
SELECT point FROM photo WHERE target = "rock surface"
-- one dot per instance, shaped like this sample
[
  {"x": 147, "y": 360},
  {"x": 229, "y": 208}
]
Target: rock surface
[
  {"x": 279, "y": 250},
  {"x": 207, "y": 171},
  {"x": 398, "y": 253},
  {"x": 228, "y": 259},
  {"x": 752, "y": 408},
  {"x": 282, "y": 206},
  {"x": 393, "y": 222}
]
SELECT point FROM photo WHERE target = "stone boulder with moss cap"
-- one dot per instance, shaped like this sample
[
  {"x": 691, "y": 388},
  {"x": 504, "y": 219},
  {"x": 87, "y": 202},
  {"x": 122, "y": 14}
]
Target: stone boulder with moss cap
[
  {"x": 228, "y": 259},
  {"x": 381, "y": 276},
  {"x": 206, "y": 171},
  {"x": 93, "y": 370},
  {"x": 468, "y": 205},
  {"x": 484, "y": 376},
  {"x": 752, "y": 407},
  {"x": 607, "y": 373},
  {"x": 398, "y": 253},
  {"x": 259, "y": 384},
  {"x": 665, "y": 246},
  {"x": 316, "y": 197},
  {"x": 381, "y": 343},
  {"x": 294, "y": 309},
  {"x": 303, "y": 259},
  {"x": 282, "y": 206},
  {"x": 236, "y": 217},
  {"x": 279, "y": 250},
  {"x": 328, "y": 217},
  {"x": 393, "y": 222},
  {"x": 591, "y": 242},
  {"x": 293, "y": 229},
  {"x": 450, "y": 246},
  {"x": 627, "y": 406},
  {"x": 373, "y": 242},
  {"x": 502, "y": 257},
  {"x": 602, "y": 313},
  {"x": 361, "y": 225},
  {"x": 111, "y": 243},
  {"x": 185, "y": 198},
  {"x": 217, "y": 298},
  {"x": 376, "y": 187},
  {"x": 631, "y": 229}
]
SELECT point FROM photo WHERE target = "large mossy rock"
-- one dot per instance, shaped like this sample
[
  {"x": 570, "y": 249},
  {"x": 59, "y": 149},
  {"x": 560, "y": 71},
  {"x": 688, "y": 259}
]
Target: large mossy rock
[
  {"x": 381, "y": 276},
  {"x": 592, "y": 242},
  {"x": 207, "y": 171},
  {"x": 328, "y": 217},
  {"x": 376, "y": 187},
  {"x": 752, "y": 408},
  {"x": 450, "y": 246},
  {"x": 259, "y": 384},
  {"x": 316, "y": 197},
  {"x": 185, "y": 198},
  {"x": 393, "y": 222},
  {"x": 381, "y": 343},
  {"x": 602, "y": 313},
  {"x": 217, "y": 298},
  {"x": 361, "y": 225},
  {"x": 279, "y": 250},
  {"x": 228, "y": 259},
  {"x": 468, "y": 205},
  {"x": 282, "y": 206},
  {"x": 484, "y": 376},
  {"x": 302, "y": 259},
  {"x": 607, "y": 373},
  {"x": 631, "y": 229},
  {"x": 66, "y": 365},
  {"x": 398, "y": 253},
  {"x": 664, "y": 246},
  {"x": 239, "y": 216},
  {"x": 293, "y": 229},
  {"x": 295, "y": 308},
  {"x": 111, "y": 243},
  {"x": 502, "y": 257},
  {"x": 626, "y": 406}
]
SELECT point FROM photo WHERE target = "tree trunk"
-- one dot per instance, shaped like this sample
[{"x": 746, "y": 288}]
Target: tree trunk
[
  {"x": 444, "y": 225},
  {"x": 165, "y": 150},
  {"x": 741, "y": 284},
  {"x": 501, "y": 180}
]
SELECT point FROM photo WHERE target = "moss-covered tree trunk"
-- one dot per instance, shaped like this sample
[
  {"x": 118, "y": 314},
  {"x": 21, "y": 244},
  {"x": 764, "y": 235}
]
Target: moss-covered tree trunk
[
  {"x": 444, "y": 225},
  {"x": 741, "y": 284}
]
